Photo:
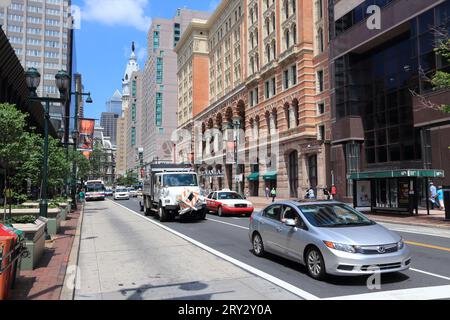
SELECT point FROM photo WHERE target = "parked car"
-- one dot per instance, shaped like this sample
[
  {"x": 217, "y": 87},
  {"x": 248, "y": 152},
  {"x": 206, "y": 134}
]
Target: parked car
[
  {"x": 132, "y": 192},
  {"x": 109, "y": 192},
  {"x": 121, "y": 193},
  {"x": 327, "y": 237},
  {"x": 139, "y": 193},
  {"x": 228, "y": 202}
]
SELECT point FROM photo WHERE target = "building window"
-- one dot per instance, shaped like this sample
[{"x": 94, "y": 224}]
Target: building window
[
  {"x": 159, "y": 70},
  {"x": 286, "y": 79},
  {"x": 294, "y": 74},
  {"x": 133, "y": 136},
  {"x": 158, "y": 110},
  {"x": 320, "y": 40},
  {"x": 274, "y": 87},
  {"x": 321, "y": 133},
  {"x": 320, "y": 86},
  {"x": 155, "y": 40},
  {"x": 321, "y": 108},
  {"x": 133, "y": 112},
  {"x": 134, "y": 88}
]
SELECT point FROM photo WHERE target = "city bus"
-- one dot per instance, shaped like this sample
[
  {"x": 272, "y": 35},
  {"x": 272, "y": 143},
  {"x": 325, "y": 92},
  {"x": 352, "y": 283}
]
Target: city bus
[{"x": 95, "y": 190}]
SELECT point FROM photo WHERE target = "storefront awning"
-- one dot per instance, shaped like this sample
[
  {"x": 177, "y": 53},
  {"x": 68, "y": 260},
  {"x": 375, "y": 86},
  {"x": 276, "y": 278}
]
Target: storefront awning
[
  {"x": 407, "y": 173},
  {"x": 270, "y": 175},
  {"x": 253, "y": 177}
]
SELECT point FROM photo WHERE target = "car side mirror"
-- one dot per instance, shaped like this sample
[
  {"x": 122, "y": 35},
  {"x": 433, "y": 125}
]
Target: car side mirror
[{"x": 290, "y": 223}]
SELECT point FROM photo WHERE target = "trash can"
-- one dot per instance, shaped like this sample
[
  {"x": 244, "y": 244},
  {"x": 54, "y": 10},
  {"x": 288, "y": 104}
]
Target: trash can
[{"x": 447, "y": 202}]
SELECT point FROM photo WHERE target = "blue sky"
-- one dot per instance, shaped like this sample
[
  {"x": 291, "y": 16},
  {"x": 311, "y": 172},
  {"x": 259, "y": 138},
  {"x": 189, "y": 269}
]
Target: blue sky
[{"x": 103, "y": 42}]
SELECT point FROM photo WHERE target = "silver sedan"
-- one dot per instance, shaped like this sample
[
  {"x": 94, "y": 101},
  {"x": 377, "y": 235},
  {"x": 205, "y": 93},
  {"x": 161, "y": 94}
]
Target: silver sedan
[{"x": 327, "y": 237}]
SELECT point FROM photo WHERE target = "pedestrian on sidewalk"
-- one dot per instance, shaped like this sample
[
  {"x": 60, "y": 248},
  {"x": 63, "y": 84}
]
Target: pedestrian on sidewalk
[
  {"x": 311, "y": 194},
  {"x": 273, "y": 194},
  {"x": 326, "y": 193},
  {"x": 267, "y": 192},
  {"x": 333, "y": 192},
  {"x": 440, "y": 197},
  {"x": 82, "y": 196},
  {"x": 433, "y": 196}
]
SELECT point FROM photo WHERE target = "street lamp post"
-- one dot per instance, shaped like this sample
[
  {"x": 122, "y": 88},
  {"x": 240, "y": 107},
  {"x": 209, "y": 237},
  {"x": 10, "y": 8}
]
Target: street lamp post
[
  {"x": 237, "y": 127},
  {"x": 75, "y": 134},
  {"x": 33, "y": 79}
]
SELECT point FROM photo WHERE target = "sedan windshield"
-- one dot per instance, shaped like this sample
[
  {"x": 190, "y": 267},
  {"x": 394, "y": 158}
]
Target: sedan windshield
[
  {"x": 229, "y": 196},
  {"x": 333, "y": 215},
  {"x": 180, "y": 180},
  {"x": 121, "y": 190}
]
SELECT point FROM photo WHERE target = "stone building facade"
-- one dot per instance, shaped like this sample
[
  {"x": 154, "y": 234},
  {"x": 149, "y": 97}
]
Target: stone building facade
[{"x": 268, "y": 91}]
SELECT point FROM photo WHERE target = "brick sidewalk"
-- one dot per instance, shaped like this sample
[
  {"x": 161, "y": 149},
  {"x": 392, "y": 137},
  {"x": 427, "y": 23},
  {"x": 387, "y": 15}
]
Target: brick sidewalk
[{"x": 46, "y": 280}]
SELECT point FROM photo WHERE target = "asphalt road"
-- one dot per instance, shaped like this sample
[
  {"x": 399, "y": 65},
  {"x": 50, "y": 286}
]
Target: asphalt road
[{"x": 430, "y": 270}]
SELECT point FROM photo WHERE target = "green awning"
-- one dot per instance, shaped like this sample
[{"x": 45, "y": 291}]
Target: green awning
[
  {"x": 407, "y": 173},
  {"x": 270, "y": 175},
  {"x": 253, "y": 177}
]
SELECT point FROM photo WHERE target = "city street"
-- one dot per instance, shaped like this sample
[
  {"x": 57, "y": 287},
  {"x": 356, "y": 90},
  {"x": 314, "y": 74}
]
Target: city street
[{"x": 117, "y": 234}]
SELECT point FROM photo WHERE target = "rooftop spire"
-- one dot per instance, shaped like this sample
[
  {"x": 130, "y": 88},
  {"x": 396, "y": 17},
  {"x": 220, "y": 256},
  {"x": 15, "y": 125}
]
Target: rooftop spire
[{"x": 133, "y": 47}]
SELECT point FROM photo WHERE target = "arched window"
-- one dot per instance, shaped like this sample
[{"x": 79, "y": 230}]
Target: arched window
[
  {"x": 252, "y": 45},
  {"x": 294, "y": 6},
  {"x": 267, "y": 52},
  {"x": 274, "y": 49},
  {"x": 251, "y": 16},
  {"x": 252, "y": 64},
  {"x": 287, "y": 39},
  {"x": 320, "y": 40},
  {"x": 294, "y": 33},
  {"x": 256, "y": 12},
  {"x": 273, "y": 22},
  {"x": 286, "y": 9},
  {"x": 267, "y": 26},
  {"x": 257, "y": 61}
]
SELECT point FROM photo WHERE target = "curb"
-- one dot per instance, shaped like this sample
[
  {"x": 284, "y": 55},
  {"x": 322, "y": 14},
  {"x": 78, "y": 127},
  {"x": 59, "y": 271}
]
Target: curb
[
  {"x": 66, "y": 292},
  {"x": 412, "y": 224}
]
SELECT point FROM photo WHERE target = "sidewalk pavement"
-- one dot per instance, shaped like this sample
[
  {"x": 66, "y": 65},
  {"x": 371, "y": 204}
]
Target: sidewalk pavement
[
  {"x": 46, "y": 281},
  {"x": 125, "y": 257},
  {"x": 435, "y": 219}
]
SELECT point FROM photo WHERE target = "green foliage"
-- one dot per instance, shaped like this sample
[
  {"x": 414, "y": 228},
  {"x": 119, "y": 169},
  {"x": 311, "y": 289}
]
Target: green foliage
[
  {"x": 130, "y": 179},
  {"x": 82, "y": 163},
  {"x": 441, "y": 80},
  {"x": 22, "y": 219}
]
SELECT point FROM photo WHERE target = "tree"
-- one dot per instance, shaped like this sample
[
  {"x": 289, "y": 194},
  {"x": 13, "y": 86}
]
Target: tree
[
  {"x": 441, "y": 79},
  {"x": 12, "y": 124},
  {"x": 83, "y": 164},
  {"x": 129, "y": 179},
  {"x": 97, "y": 159}
]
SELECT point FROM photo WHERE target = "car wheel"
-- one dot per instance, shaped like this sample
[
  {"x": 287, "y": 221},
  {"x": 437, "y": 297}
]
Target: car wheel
[
  {"x": 219, "y": 212},
  {"x": 315, "y": 264},
  {"x": 258, "y": 245}
]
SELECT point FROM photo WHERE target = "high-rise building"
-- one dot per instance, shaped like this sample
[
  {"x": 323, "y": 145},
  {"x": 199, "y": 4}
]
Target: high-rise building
[
  {"x": 388, "y": 142},
  {"x": 108, "y": 122},
  {"x": 109, "y": 118},
  {"x": 114, "y": 105},
  {"x": 159, "y": 108},
  {"x": 39, "y": 33},
  {"x": 122, "y": 123},
  {"x": 133, "y": 133},
  {"x": 267, "y": 75}
]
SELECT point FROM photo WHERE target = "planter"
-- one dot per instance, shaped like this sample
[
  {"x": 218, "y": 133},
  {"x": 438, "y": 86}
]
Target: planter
[
  {"x": 54, "y": 217},
  {"x": 34, "y": 234}
]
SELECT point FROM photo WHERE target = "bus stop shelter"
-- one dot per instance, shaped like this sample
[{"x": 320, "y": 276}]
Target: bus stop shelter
[{"x": 395, "y": 191}]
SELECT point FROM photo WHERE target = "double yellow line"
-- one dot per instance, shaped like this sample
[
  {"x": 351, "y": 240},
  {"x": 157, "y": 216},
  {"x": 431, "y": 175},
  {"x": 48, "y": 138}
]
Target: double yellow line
[{"x": 430, "y": 246}]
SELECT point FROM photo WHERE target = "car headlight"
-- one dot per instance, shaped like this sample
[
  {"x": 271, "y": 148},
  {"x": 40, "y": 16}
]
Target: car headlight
[
  {"x": 341, "y": 247},
  {"x": 400, "y": 245}
]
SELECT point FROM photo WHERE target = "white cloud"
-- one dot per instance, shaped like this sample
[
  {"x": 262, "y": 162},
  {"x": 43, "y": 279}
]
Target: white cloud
[{"x": 117, "y": 13}]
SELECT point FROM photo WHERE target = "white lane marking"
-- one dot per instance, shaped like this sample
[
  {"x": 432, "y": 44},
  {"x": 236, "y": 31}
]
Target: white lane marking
[
  {"x": 430, "y": 274},
  {"x": 412, "y": 269},
  {"x": 230, "y": 224},
  {"x": 426, "y": 293},
  {"x": 283, "y": 284}
]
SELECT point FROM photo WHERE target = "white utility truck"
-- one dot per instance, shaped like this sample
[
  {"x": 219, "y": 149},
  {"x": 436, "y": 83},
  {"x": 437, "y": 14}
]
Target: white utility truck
[{"x": 172, "y": 190}]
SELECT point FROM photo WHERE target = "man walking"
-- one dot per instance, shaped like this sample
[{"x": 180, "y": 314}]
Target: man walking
[
  {"x": 273, "y": 193},
  {"x": 433, "y": 196},
  {"x": 440, "y": 198},
  {"x": 267, "y": 192},
  {"x": 333, "y": 192}
]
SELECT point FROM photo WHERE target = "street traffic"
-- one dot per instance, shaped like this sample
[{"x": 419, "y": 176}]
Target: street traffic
[{"x": 230, "y": 237}]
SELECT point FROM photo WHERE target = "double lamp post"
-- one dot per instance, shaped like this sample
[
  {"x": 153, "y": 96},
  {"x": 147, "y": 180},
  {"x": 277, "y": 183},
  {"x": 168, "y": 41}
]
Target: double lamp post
[{"x": 62, "y": 79}]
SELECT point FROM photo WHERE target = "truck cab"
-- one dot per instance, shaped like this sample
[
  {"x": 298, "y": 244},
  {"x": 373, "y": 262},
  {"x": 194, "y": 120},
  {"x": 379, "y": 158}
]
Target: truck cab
[{"x": 172, "y": 190}]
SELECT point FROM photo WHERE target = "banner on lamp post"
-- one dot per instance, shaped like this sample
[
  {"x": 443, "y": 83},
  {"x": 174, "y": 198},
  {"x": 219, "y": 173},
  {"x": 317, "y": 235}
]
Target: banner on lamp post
[{"x": 86, "y": 138}]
